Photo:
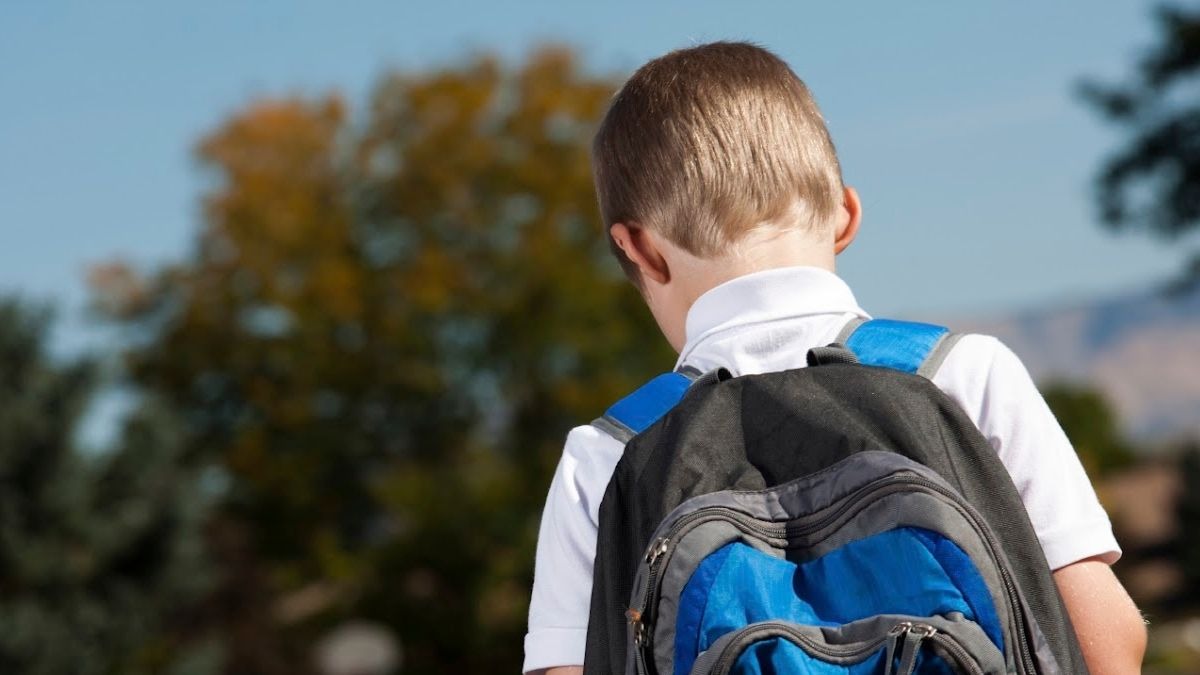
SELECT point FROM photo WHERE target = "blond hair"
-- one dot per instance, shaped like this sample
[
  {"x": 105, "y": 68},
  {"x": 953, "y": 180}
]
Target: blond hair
[{"x": 705, "y": 144}]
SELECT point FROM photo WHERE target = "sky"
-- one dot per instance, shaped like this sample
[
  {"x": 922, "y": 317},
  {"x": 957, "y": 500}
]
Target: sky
[{"x": 957, "y": 122}]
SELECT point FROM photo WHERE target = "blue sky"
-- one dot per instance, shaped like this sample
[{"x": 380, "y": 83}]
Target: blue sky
[{"x": 957, "y": 122}]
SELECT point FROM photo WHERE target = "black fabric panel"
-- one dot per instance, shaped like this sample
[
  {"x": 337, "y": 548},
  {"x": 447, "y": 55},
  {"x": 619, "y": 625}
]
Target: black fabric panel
[{"x": 759, "y": 431}]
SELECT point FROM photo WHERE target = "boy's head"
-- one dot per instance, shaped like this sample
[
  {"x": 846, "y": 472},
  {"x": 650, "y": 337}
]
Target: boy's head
[{"x": 707, "y": 154}]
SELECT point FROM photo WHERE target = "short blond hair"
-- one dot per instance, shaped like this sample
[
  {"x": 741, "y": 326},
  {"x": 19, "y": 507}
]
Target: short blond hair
[{"x": 707, "y": 143}]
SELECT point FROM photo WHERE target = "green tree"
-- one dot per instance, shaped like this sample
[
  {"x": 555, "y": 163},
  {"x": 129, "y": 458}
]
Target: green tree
[
  {"x": 1091, "y": 425},
  {"x": 1153, "y": 183},
  {"x": 386, "y": 328},
  {"x": 99, "y": 554}
]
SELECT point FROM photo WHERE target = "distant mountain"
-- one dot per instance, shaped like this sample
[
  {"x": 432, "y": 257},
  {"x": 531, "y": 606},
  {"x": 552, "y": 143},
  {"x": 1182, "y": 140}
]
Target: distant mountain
[{"x": 1142, "y": 350}]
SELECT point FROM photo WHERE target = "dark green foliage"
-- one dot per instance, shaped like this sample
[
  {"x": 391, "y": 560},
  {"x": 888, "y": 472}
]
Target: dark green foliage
[
  {"x": 97, "y": 553},
  {"x": 1153, "y": 183},
  {"x": 1091, "y": 425},
  {"x": 1188, "y": 512}
]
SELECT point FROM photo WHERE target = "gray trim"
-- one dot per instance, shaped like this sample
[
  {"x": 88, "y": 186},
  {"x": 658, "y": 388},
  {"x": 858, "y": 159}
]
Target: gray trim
[
  {"x": 690, "y": 372},
  {"x": 701, "y": 543},
  {"x": 937, "y": 355},
  {"x": 613, "y": 427},
  {"x": 848, "y": 330},
  {"x": 806, "y": 494}
]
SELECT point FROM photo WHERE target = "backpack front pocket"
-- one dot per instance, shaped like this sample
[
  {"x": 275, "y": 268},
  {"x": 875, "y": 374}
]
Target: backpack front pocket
[{"x": 890, "y": 540}]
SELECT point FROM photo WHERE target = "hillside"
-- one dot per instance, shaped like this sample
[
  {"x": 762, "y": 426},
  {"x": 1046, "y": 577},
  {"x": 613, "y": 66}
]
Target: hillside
[{"x": 1142, "y": 350}]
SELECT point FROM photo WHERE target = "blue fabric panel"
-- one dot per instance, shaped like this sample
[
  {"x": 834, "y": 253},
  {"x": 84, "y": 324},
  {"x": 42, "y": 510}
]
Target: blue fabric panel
[
  {"x": 903, "y": 571},
  {"x": 692, "y": 603},
  {"x": 902, "y": 345},
  {"x": 963, "y": 574},
  {"x": 650, "y": 402}
]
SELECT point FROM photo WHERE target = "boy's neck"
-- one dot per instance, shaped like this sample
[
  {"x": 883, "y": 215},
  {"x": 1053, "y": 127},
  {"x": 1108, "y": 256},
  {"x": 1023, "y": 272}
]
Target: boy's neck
[
  {"x": 755, "y": 253},
  {"x": 680, "y": 278},
  {"x": 673, "y": 279}
]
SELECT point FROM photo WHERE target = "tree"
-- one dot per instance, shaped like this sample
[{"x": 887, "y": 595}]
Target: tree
[
  {"x": 1153, "y": 183},
  {"x": 1090, "y": 424},
  {"x": 385, "y": 330},
  {"x": 100, "y": 556}
]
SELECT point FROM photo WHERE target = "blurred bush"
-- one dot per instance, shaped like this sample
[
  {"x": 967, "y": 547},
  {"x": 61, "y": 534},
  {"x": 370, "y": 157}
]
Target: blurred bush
[{"x": 1091, "y": 425}]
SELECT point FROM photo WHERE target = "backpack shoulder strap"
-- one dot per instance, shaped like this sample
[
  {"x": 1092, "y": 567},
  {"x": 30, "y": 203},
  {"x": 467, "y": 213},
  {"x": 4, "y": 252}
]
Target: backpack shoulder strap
[
  {"x": 636, "y": 412},
  {"x": 907, "y": 346}
]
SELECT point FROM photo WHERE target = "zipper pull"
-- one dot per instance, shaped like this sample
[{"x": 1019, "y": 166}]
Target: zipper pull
[
  {"x": 892, "y": 637},
  {"x": 639, "y": 629},
  {"x": 656, "y": 551},
  {"x": 914, "y": 635}
]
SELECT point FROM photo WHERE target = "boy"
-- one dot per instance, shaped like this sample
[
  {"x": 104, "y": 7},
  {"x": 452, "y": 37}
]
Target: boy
[{"x": 724, "y": 202}]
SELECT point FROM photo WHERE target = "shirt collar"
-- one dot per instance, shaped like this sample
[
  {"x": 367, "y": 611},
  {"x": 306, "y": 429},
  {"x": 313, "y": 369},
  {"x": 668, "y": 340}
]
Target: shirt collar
[{"x": 770, "y": 295}]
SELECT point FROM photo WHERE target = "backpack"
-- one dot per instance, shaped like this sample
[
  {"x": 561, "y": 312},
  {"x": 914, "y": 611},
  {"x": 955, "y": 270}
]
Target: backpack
[{"x": 842, "y": 518}]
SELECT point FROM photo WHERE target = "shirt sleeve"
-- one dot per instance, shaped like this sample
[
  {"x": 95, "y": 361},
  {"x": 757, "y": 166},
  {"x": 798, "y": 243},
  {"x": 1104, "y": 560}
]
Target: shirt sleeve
[
  {"x": 566, "y": 549},
  {"x": 992, "y": 385}
]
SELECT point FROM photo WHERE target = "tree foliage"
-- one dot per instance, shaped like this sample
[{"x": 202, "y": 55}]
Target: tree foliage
[
  {"x": 387, "y": 325},
  {"x": 1091, "y": 425},
  {"x": 99, "y": 554},
  {"x": 1153, "y": 182}
]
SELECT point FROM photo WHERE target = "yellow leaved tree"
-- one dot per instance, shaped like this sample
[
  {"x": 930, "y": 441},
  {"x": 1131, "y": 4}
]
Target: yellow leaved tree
[{"x": 388, "y": 321}]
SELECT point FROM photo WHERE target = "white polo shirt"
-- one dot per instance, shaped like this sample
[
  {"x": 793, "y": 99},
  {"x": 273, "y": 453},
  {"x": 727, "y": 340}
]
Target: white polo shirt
[{"x": 766, "y": 322}]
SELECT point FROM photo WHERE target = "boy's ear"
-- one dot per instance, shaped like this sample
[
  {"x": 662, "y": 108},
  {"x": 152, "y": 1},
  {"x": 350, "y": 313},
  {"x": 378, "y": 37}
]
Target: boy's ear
[
  {"x": 851, "y": 216},
  {"x": 640, "y": 248}
]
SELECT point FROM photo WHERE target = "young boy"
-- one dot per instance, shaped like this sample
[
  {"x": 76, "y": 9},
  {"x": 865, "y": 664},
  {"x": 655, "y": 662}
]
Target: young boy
[{"x": 723, "y": 198}]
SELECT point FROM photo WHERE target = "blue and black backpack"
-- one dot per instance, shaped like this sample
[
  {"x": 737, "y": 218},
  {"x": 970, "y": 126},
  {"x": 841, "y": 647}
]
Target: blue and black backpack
[{"x": 842, "y": 518}]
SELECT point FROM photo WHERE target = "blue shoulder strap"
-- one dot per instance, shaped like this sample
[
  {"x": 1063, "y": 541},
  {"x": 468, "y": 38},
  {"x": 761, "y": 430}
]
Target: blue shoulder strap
[
  {"x": 906, "y": 346},
  {"x": 636, "y": 412}
]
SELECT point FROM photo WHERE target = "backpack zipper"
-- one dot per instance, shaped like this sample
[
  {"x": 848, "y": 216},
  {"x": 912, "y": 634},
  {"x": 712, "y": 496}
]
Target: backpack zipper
[
  {"x": 957, "y": 652},
  {"x": 914, "y": 633},
  {"x": 756, "y": 632},
  {"x": 642, "y": 619}
]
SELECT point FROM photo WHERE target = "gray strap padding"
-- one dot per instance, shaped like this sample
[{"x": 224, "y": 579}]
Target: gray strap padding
[
  {"x": 613, "y": 428},
  {"x": 848, "y": 330},
  {"x": 941, "y": 350}
]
